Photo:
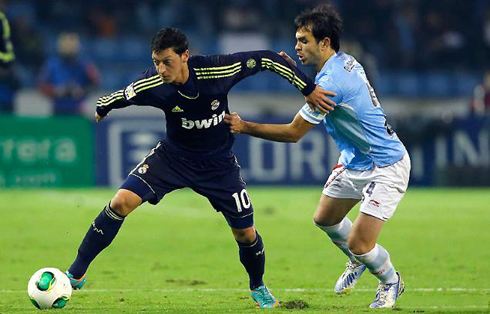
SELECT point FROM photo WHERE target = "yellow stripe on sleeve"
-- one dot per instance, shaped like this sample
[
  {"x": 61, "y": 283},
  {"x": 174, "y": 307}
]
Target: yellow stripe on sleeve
[
  {"x": 146, "y": 80},
  {"x": 142, "y": 88},
  {"x": 218, "y": 68},
  {"x": 290, "y": 77},
  {"x": 238, "y": 67},
  {"x": 205, "y": 77},
  {"x": 268, "y": 63}
]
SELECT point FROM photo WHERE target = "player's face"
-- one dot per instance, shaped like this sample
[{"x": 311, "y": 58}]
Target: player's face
[
  {"x": 307, "y": 49},
  {"x": 170, "y": 66}
]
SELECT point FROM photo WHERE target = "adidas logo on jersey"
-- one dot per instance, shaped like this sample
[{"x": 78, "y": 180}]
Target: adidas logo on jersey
[
  {"x": 204, "y": 123},
  {"x": 177, "y": 109}
]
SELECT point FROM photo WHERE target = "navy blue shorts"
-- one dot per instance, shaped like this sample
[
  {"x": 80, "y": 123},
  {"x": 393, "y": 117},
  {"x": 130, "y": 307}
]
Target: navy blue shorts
[{"x": 218, "y": 179}]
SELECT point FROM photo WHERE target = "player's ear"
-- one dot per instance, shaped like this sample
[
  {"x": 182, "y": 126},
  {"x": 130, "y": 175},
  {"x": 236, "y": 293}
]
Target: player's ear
[
  {"x": 185, "y": 56},
  {"x": 325, "y": 43}
]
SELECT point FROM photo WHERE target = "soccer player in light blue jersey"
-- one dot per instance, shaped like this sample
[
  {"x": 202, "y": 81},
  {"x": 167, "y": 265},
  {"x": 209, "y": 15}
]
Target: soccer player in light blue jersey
[{"x": 373, "y": 167}]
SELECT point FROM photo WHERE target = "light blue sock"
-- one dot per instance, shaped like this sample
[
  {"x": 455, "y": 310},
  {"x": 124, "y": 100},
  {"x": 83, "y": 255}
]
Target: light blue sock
[
  {"x": 338, "y": 234},
  {"x": 379, "y": 264}
]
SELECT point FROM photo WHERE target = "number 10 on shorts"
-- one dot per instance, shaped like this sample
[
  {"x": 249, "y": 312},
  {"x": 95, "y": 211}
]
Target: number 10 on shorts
[{"x": 242, "y": 200}]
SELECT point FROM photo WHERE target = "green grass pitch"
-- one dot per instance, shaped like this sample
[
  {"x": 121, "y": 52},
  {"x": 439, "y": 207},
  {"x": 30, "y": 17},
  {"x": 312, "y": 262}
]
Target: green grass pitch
[{"x": 180, "y": 256}]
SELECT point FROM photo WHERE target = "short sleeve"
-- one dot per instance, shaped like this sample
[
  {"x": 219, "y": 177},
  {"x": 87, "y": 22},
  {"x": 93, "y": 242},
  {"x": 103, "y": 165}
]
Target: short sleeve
[
  {"x": 312, "y": 117},
  {"x": 315, "y": 117}
]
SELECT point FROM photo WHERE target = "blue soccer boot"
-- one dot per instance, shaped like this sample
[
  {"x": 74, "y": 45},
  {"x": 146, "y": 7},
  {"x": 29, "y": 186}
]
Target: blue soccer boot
[
  {"x": 76, "y": 284},
  {"x": 263, "y": 297}
]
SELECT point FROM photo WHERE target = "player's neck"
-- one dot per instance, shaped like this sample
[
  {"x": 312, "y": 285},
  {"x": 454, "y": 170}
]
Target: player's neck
[
  {"x": 183, "y": 77},
  {"x": 324, "y": 59}
]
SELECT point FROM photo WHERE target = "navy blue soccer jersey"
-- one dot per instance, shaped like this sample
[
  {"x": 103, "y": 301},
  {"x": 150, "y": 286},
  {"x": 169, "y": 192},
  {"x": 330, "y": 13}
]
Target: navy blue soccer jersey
[{"x": 195, "y": 110}]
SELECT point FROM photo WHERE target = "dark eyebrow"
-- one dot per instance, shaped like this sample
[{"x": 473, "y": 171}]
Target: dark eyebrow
[{"x": 164, "y": 59}]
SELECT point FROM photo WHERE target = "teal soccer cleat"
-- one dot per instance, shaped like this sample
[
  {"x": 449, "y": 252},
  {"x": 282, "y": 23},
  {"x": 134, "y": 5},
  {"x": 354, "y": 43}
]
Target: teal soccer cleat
[
  {"x": 76, "y": 284},
  {"x": 264, "y": 298}
]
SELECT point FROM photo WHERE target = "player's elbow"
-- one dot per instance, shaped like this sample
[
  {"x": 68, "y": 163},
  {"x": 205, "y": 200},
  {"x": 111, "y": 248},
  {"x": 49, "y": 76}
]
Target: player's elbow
[
  {"x": 293, "y": 136},
  {"x": 294, "y": 139}
]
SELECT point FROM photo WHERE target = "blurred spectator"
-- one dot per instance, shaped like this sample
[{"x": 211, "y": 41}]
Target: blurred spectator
[
  {"x": 67, "y": 77},
  {"x": 418, "y": 38},
  {"x": 8, "y": 79},
  {"x": 480, "y": 103},
  {"x": 28, "y": 42},
  {"x": 406, "y": 21}
]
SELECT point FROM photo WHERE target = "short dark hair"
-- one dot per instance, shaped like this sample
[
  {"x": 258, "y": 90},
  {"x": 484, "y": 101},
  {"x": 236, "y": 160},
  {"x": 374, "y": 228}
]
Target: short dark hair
[
  {"x": 323, "y": 21},
  {"x": 170, "y": 37}
]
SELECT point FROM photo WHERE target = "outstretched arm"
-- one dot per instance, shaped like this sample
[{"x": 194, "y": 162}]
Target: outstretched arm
[
  {"x": 106, "y": 103},
  {"x": 136, "y": 93},
  {"x": 317, "y": 100},
  {"x": 291, "y": 132},
  {"x": 252, "y": 62}
]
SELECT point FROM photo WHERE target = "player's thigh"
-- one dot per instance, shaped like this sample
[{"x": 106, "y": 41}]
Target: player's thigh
[
  {"x": 364, "y": 233},
  {"x": 227, "y": 194},
  {"x": 380, "y": 200},
  {"x": 331, "y": 211},
  {"x": 338, "y": 198},
  {"x": 385, "y": 188},
  {"x": 158, "y": 174}
]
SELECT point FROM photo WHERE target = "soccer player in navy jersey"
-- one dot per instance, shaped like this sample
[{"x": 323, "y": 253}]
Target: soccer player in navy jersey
[
  {"x": 196, "y": 152},
  {"x": 374, "y": 166}
]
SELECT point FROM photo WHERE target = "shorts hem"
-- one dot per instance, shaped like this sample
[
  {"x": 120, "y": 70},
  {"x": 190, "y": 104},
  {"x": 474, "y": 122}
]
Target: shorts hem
[
  {"x": 243, "y": 222},
  {"x": 375, "y": 215},
  {"x": 149, "y": 186},
  {"x": 327, "y": 193}
]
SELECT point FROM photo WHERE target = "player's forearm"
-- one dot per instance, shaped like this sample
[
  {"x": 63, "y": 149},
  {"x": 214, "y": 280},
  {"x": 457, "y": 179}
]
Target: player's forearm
[
  {"x": 272, "y": 132},
  {"x": 113, "y": 101},
  {"x": 277, "y": 64}
]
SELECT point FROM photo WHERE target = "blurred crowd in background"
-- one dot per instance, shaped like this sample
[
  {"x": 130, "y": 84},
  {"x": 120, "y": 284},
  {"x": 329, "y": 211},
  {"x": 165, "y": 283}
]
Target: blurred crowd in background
[
  {"x": 429, "y": 61},
  {"x": 410, "y": 48}
]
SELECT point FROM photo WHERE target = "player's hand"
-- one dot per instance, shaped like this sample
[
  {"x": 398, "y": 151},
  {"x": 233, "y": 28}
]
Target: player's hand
[
  {"x": 318, "y": 100},
  {"x": 288, "y": 58},
  {"x": 98, "y": 118},
  {"x": 237, "y": 125}
]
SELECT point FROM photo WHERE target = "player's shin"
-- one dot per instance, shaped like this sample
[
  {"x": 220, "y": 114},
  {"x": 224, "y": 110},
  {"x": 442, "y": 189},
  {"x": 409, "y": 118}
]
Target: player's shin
[
  {"x": 338, "y": 234},
  {"x": 379, "y": 264},
  {"x": 100, "y": 234},
  {"x": 252, "y": 257}
]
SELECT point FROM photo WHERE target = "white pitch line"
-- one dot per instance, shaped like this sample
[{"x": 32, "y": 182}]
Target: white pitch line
[
  {"x": 454, "y": 289},
  {"x": 445, "y": 307}
]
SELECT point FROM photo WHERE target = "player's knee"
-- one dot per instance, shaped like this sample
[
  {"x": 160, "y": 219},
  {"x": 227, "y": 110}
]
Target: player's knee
[
  {"x": 122, "y": 205},
  {"x": 357, "y": 246},
  {"x": 246, "y": 236},
  {"x": 323, "y": 219},
  {"x": 319, "y": 220}
]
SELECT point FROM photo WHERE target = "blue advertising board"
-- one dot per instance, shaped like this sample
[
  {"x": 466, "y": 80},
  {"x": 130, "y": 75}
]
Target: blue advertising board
[{"x": 121, "y": 143}]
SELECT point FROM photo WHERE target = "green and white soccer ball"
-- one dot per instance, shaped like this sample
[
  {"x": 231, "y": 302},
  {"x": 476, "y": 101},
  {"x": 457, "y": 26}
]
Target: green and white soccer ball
[{"x": 49, "y": 288}]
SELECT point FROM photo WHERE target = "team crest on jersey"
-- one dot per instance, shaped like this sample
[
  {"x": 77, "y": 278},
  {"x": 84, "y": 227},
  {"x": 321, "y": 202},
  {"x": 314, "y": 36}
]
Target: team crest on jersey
[
  {"x": 214, "y": 104},
  {"x": 129, "y": 91},
  {"x": 143, "y": 169},
  {"x": 251, "y": 63}
]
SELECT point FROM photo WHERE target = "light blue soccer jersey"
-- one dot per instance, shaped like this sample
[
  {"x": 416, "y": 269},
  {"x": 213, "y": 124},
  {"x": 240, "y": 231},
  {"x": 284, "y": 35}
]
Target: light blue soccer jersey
[{"x": 358, "y": 124}]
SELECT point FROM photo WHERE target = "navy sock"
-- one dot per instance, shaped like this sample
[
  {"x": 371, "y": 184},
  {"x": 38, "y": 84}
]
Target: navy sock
[
  {"x": 252, "y": 257},
  {"x": 100, "y": 234}
]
